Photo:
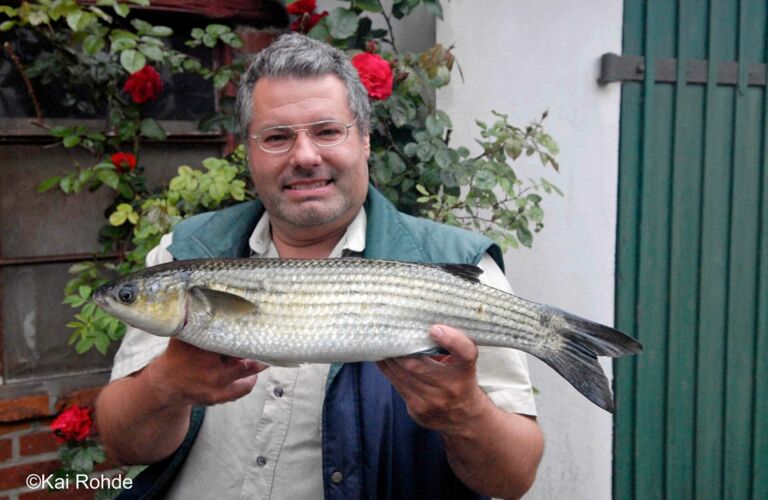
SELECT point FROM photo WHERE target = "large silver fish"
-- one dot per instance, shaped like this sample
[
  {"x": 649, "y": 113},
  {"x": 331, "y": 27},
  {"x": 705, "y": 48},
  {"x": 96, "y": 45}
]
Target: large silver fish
[{"x": 284, "y": 311}]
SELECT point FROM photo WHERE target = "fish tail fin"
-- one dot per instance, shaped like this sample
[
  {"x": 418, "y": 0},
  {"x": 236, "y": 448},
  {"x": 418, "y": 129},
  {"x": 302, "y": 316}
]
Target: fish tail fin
[{"x": 576, "y": 357}]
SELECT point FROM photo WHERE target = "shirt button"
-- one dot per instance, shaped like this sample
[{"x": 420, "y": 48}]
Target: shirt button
[
  {"x": 278, "y": 392},
  {"x": 337, "y": 477},
  {"x": 261, "y": 461}
]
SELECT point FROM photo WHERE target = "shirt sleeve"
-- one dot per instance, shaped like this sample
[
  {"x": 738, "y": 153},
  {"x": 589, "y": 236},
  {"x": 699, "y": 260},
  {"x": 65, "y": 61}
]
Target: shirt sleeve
[
  {"x": 503, "y": 373},
  {"x": 138, "y": 347}
]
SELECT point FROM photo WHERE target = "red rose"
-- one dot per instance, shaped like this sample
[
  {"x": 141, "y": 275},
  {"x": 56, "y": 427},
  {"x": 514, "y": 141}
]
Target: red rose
[
  {"x": 74, "y": 423},
  {"x": 144, "y": 85},
  {"x": 300, "y": 7},
  {"x": 375, "y": 73},
  {"x": 123, "y": 162}
]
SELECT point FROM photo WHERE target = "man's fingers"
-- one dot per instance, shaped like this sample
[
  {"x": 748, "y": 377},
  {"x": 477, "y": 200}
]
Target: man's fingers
[
  {"x": 407, "y": 379},
  {"x": 454, "y": 341},
  {"x": 402, "y": 380},
  {"x": 253, "y": 366},
  {"x": 239, "y": 388}
]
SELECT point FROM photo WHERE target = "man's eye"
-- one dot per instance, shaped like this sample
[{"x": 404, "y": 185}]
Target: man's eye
[
  {"x": 276, "y": 137},
  {"x": 328, "y": 132}
]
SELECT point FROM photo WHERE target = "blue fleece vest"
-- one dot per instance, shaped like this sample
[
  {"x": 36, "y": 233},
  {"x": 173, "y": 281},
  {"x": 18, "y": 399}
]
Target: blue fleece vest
[{"x": 372, "y": 449}]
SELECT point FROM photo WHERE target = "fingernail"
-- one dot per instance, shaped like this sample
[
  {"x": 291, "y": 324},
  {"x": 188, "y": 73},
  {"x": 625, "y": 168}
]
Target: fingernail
[{"x": 437, "y": 331}]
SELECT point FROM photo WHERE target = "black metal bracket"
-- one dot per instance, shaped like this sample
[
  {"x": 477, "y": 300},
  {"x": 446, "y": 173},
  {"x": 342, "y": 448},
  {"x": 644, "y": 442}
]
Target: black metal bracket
[{"x": 616, "y": 68}]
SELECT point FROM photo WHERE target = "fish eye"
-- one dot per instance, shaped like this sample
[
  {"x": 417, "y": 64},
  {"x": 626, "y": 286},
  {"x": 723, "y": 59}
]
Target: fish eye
[{"x": 127, "y": 293}]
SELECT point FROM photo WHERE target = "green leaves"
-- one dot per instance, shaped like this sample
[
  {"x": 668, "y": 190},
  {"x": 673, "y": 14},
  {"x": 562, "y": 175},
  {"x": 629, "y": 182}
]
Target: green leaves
[
  {"x": 483, "y": 192},
  {"x": 151, "y": 129},
  {"x": 92, "y": 326},
  {"x": 208, "y": 190},
  {"x": 401, "y": 8},
  {"x": 213, "y": 34},
  {"x": 93, "y": 43},
  {"x": 81, "y": 457},
  {"x": 132, "y": 60},
  {"x": 367, "y": 5},
  {"x": 124, "y": 213},
  {"x": 47, "y": 184},
  {"x": 437, "y": 123},
  {"x": 78, "y": 20},
  {"x": 109, "y": 177},
  {"x": 342, "y": 23}
]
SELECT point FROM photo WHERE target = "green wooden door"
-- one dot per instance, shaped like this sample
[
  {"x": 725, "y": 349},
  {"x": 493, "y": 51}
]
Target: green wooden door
[{"x": 692, "y": 256}]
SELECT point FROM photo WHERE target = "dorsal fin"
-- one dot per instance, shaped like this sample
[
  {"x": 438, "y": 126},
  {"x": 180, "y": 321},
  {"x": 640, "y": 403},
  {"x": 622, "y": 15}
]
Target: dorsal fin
[
  {"x": 219, "y": 302},
  {"x": 348, "y": 253},
  {"x": 468, "y": 272}
]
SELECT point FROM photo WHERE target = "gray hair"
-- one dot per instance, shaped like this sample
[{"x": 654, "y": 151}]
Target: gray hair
[{"x": 295, "y": 55}]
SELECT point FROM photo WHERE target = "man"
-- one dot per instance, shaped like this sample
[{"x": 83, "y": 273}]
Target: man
[{"x": 401, "y": 428}]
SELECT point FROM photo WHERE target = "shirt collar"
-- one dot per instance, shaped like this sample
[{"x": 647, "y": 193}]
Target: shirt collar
[{"x": 353, "y": 240}]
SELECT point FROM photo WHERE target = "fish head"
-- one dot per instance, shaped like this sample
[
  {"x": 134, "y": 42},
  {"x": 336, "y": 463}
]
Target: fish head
[{"x": 155, "y": 304}]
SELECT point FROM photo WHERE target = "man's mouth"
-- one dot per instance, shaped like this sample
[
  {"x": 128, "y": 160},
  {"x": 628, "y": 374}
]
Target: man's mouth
[{"x": 306, "y": 185}]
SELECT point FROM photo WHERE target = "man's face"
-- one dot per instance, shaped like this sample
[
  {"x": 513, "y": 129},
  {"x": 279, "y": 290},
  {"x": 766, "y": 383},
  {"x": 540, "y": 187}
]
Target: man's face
[{"x": 308, "y": 186}]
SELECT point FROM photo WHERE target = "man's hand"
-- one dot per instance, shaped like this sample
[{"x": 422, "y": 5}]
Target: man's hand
[
  {"x": 441, "y": 393},
  {"x": 186, "y": 375},
  {"x": 494, "y": 452},
  {"x": 144, "y": 417}
]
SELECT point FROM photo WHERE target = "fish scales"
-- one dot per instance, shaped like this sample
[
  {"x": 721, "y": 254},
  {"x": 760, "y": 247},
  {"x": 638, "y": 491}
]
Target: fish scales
[
  {"x": 324, "y": 297},
  {"x": 394, "y": 294},
  {"x": 347, "y": 310}
]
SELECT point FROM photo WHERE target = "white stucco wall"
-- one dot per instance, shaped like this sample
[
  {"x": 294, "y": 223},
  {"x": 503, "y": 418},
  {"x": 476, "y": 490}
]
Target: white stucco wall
[{"x": 521, "y": 57}]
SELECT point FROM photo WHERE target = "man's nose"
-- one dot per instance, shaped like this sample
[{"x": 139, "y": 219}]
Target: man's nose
[{"x": 304, "y": 150}]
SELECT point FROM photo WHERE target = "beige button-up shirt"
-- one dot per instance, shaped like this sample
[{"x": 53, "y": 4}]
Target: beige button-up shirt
[{"x": 267, "y": 445}]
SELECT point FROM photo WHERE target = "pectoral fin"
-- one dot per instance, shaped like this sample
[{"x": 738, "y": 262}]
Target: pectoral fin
[{"x": 219, "y": 303}]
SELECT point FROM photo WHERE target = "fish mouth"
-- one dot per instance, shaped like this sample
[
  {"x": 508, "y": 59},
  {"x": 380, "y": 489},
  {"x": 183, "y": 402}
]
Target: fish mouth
[{"x": 100, "y": 296}]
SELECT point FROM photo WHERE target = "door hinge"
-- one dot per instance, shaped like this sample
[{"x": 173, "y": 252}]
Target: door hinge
[{"x": 616, "y": 68}]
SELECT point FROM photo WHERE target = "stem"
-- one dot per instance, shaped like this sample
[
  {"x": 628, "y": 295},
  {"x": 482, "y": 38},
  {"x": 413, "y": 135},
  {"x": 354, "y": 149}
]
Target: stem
[
  {"x": 391, "y": 40},
  {"x": 476, "y": 217},
  {"x": 30, "y": 90},
  {"x": 392, "y": 141}
]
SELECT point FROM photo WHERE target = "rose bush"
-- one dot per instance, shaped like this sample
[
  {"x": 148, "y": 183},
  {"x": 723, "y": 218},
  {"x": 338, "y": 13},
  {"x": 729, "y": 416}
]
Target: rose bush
[
  {"x": 144, "y": 85},
  {"x": 375, "y": 73},
  {"x": 78, "y": 452}
]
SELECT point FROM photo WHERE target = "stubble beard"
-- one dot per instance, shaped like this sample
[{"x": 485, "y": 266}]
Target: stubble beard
[{"x": 310, "y": 213}]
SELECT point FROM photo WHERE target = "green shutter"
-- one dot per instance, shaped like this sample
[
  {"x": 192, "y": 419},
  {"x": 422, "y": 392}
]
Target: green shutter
[{"x": 692, "y": 257}]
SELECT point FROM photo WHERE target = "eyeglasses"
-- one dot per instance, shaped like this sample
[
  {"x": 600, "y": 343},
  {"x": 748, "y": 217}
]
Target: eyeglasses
[{"x": 324, "y": 134}]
